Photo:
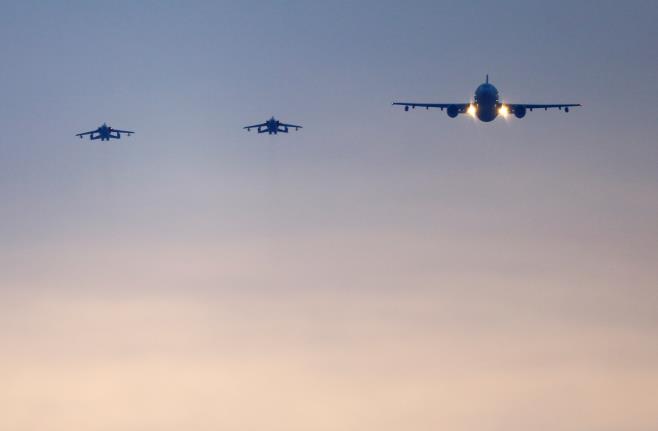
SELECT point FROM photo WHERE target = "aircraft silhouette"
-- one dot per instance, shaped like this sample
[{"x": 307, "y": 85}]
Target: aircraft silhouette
[
  {"x": 486, "y": 106},
  {"x": 272, "y": 127},
  {"x": 105, "y": 133}
]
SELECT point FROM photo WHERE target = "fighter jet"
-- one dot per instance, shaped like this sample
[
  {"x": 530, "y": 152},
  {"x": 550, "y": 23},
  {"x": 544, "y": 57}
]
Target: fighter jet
[
  {"x": 105, "y": 133},
  {"x": 272, "y": 127},
  {"x": 486, "y": 105}
]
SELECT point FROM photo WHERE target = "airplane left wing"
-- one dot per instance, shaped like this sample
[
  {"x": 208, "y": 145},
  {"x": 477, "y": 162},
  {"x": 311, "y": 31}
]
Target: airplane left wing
[
  {"x": 564, "y": 106},
  {"x": 292, "y": 126},
  {"x": 129, "y": 132}
]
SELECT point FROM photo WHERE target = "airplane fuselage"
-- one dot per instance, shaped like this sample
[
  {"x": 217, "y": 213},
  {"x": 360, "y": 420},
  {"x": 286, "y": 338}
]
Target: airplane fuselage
[
  {"x": 272, "y": 126},
  {"x": 486, "y": 102},
  {"x": 104, "y": 133}
]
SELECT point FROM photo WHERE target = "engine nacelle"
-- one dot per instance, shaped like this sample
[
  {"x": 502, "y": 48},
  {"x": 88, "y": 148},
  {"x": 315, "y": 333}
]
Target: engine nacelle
[
  {"x": 453, "y": 111},
  {"x": 519, "y": 111}
]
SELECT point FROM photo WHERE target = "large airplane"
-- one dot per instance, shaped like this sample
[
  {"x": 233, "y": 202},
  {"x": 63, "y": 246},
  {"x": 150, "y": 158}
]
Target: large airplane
[
  {"x": 273, "y": 126},
  {"x": 486, "y": 105},
  {"x": 105, "y": 133}
]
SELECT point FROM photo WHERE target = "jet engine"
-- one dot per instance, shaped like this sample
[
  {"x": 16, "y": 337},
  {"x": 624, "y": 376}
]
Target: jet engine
[
  {"x": 519, "y": 111},
  {"x": 453, "y": 111}
]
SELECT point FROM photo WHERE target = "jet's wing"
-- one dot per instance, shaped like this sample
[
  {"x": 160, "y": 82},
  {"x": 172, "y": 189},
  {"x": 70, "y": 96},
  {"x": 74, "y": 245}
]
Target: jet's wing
[
  {"x": 255, "y": 126},
  {"x": 129, "y": 132},
  {"x": 86, "y": 133},
  {"x": 544, "y": 107},
  {"x": 291, "y": 126},
  {"x": 460, "y": 106}
]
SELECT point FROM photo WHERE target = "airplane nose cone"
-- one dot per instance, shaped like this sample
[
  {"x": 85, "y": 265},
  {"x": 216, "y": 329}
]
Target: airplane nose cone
[
  {"x": 486, "y": 93},
  {"x": 486, "y": 89}
]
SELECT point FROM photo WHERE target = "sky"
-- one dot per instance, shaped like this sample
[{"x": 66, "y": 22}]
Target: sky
[{"x": 377, "y": 270}]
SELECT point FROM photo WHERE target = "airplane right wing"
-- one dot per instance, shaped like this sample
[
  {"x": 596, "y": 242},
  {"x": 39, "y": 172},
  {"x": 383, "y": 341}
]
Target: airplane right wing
[
  {"x": 80, "y": 135},
  {"x": 255, "y": 126},
  {"x": 461, "y": 107}
]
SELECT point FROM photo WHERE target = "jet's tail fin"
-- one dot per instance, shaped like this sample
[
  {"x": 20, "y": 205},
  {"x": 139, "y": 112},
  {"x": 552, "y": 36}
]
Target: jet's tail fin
[{"x": 487, "y": 81}]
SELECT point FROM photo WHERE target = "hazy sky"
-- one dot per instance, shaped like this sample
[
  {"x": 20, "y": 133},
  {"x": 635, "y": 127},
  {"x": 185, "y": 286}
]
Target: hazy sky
[{"x": 378, "y": 270}]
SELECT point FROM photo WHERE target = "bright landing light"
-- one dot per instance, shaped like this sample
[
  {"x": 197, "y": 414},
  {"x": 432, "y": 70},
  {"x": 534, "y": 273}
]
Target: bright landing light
[
  {"x": 471, "y": 110},
  {"x": 503, "y": 111}
]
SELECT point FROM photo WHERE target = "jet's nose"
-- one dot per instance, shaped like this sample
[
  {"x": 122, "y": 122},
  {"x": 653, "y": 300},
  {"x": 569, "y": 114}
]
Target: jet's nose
[
  {"x": 486, "y": 93},
  {"x": 486, "y": 88}
]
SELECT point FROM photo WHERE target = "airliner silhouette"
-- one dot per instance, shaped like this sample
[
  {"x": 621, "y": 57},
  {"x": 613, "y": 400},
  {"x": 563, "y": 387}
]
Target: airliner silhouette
[{"x": 486, "y": 105}]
